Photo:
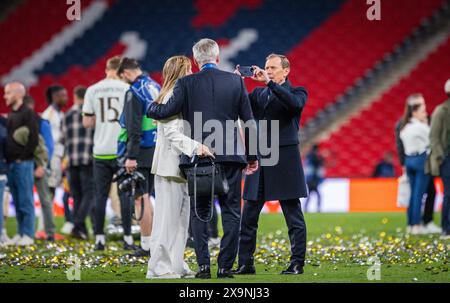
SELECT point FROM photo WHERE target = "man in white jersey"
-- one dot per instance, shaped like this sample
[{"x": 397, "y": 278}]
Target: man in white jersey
[{"x": 103, "y": 105}]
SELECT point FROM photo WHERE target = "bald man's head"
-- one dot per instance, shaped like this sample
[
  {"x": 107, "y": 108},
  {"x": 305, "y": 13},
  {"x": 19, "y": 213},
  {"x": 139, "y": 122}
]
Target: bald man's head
[{"x": 14, "y": 93}]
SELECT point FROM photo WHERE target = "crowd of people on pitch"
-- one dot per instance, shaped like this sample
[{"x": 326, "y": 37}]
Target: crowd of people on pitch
[{"x": 127, "y": 127}]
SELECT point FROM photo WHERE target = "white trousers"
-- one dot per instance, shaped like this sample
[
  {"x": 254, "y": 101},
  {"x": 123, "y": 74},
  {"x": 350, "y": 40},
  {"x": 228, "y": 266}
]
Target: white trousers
[{"x": 170, "y": 229}]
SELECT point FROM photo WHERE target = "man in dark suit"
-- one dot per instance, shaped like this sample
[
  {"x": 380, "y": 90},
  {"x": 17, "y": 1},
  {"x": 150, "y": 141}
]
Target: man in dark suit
[
  {"x": 215, "y": 96},
  {"x": 284, "y": 181}
]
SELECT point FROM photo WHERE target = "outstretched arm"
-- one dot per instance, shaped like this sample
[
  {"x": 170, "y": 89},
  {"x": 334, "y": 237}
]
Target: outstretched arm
[
  {"x": 294, "y": 100},
  {"x": 172, "y": 107}
]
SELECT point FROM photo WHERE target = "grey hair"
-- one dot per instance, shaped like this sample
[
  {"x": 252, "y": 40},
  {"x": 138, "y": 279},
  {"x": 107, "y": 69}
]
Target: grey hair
[{"x": 205, "y": 51}]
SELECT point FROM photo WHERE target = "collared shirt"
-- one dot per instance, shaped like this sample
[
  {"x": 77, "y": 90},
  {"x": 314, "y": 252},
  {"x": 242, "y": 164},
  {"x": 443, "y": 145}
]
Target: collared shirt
[
  {"x": 415, "y": 137},
  {"x": 208, "y": 65},
  {"x": 78, "y": 140}
]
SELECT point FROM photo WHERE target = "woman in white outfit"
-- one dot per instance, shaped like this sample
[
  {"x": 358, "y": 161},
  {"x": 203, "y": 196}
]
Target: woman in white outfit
[{"x": 172, "y": 203}]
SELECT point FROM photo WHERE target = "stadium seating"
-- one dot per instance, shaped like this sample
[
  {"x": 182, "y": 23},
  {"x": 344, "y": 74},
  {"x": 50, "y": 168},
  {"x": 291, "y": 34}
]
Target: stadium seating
[
  {"x": 339, "y": 52},
  {"x": 39, "y": 21},
  {"x": 361, "y": 142},
  {"x": 331, "y": 44}
]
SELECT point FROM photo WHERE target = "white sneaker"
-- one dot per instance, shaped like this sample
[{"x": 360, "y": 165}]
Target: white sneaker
[
  {"x": 214, "y": 242},
  {"x": 4, "y": 237},
  {"x": 165, "y": 276},
  {"x": 432, "y": 228},
  {"x": 14, "y": 240},
  {"x": 445, "y": 236},
  {"x": 188, "y": 274},
  {"x": 67, "y": 228},
  {"x": 25, "y": 241},
  {"x": 408, "y": 229},
  {"x": 416, "y": 230}
]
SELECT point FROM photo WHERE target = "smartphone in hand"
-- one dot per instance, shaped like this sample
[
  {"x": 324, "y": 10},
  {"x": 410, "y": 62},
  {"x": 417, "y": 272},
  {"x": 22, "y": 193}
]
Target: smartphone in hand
[{"x": 246, "y": 71}]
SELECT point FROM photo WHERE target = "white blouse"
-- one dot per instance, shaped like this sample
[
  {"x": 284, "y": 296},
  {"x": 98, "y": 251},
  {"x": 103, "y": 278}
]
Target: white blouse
[{"x": 415, "y": 137}]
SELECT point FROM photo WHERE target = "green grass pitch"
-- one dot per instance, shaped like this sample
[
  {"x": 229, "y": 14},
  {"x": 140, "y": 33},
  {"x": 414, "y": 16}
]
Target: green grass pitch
[{"x": 339, "y": 250}]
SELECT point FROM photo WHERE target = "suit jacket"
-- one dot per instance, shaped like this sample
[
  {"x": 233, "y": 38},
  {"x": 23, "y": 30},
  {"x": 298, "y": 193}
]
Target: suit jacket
[
  {"x": 170, "y": 143},
  {"x": 215, "y": 95},
  {"x": 283, "y": 103},
  {"x": 286, "y": 179}
]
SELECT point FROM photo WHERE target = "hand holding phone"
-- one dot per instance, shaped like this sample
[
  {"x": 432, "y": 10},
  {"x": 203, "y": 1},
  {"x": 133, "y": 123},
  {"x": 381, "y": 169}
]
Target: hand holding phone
[{"x": 246, "y": 71}]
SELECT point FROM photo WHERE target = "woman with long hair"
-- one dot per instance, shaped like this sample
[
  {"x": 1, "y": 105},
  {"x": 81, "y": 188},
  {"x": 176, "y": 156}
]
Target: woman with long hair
[
  {"x": 415, "y": 138},
  {"x": 172, "y": 203}
]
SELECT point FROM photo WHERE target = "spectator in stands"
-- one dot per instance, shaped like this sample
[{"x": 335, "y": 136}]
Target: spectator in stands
[
  {"x": 439, "y": 160},
  {"x": 20, "y": 162},
  {"x": 385, "y": 168},
  {"x": 57, "y": 98},
  {"x": 41, "y": 176},
  {"x": 78, "y": 142},
  {"x": 314, "y": 173},
  {"x": 3, "y": 171},
  {"x": 428, "y": 211},
  {"x": 414, "y": 134}
]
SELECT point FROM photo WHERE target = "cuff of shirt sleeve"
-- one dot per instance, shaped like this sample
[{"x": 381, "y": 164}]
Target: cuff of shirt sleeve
[
  {"x": 271, "y": 84},
  {"x": 251, "y": 158}
]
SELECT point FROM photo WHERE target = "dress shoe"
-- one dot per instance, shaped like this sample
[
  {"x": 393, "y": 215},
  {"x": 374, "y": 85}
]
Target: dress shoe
[
  {"x": 140, "y": 253},
  {"x": 245, "y": 270},
  {"x": 223, "y": 273},
  {"x": 127, "y": 246},
  {"x": 204, "y": 272},
  {"x": 293, "y": 269}
]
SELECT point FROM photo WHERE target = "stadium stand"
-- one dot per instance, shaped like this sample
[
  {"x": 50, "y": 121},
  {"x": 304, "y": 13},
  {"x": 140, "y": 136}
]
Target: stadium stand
[
  {"x": 328, "y": 47},
  {"x": 361, "y": 142}
]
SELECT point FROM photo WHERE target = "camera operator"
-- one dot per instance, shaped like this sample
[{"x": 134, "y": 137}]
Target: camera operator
[{"x": 137, "y": 140}]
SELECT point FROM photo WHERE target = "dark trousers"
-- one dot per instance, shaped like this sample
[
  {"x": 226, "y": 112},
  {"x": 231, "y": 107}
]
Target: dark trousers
[
  {"x": 295, "y": 221},
  {"x": 428, "y": 209},
  {"x": 81, "y": 181},
  {"x": 230, "y": 205},
  {"x": 213, "y": 229},
  {"x": 445, "y": 175},
  {"x": 104, "y": 171}
]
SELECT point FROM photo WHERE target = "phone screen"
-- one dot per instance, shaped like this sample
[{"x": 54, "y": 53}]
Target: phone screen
[{"x": 246, "y": 71}]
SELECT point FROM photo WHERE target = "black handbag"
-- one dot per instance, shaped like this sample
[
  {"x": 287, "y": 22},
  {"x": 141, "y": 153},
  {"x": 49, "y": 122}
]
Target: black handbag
[{"x": 205, "y": 179}]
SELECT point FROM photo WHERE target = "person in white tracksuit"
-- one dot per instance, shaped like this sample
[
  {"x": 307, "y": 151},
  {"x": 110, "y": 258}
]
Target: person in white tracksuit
[{"x": 172, "y": 203}]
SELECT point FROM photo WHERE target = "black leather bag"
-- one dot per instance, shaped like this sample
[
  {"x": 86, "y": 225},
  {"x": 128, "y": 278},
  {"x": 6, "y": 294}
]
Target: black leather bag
[{"x": 205, "y": 179}]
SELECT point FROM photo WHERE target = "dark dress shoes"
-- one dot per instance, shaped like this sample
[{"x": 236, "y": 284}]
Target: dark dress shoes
[
  {"x": 204, "y": 272},
  {"x": 293, "y": 269},
  {"x": 223, "y": 273},
  {"x": 245, "y": 270},
  {"x": 99, "y": 246}
]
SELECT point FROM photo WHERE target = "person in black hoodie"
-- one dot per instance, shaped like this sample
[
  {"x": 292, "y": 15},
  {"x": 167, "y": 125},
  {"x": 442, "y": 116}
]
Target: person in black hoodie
[{"x": 20, "y": 162}]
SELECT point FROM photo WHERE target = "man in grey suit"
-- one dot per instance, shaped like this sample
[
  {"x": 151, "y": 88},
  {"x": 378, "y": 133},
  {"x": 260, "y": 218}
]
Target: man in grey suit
[{"x": 217, "y": 97}]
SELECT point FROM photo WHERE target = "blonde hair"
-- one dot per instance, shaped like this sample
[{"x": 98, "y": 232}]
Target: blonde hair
[
  {"x": 113, "y": 63},
  {"x": 176, "y": 67}
]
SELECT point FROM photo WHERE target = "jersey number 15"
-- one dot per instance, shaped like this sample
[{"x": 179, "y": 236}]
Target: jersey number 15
[{"x": 105, "y": 108}]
